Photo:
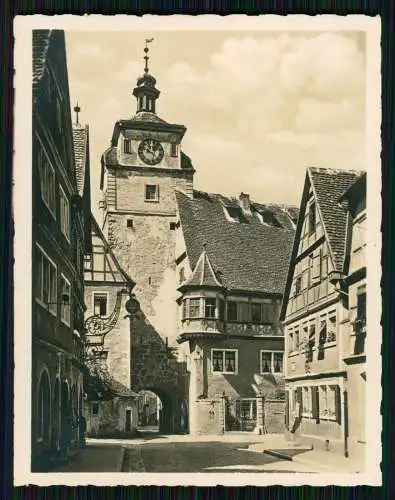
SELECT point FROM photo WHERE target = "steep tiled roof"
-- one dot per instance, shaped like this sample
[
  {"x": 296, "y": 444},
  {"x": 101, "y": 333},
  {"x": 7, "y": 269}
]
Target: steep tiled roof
[
  {"x": 245, "y": 255},
  {"x": 40, "y": 44},
  {"x": 203, "y": 275},
  {"x": 80, "y": 140},
  {"x": 328, "y": 185}
]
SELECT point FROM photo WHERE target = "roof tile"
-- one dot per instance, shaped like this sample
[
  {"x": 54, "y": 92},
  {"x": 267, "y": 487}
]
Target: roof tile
[{"x": 248, "y": 255}]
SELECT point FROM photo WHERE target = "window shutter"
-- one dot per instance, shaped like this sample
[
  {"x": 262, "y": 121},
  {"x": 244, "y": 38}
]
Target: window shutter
[
  {"x": 338, "y": 406},
  {"x": 315, "y": 403}
]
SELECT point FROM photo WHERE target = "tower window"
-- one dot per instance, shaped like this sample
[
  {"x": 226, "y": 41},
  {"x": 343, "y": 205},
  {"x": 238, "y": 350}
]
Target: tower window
[
  {"x": 151, "y": 192},
  {"x": 172, "y": 226},
  {"x": 129, "y": 223},
  {"x": 174, "y": 149},
  {"x": 127, "y": 146}
]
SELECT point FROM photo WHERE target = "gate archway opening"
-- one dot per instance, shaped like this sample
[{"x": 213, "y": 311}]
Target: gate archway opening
[{"x": 155, "y": 412}]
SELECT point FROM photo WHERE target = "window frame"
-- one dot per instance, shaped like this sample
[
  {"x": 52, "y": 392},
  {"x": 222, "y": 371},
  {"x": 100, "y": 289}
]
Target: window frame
[
  {"x": 211, "y": 307},
  {"x": 174, "y": 149},
  {"x": 65, "y": 320},
  {"x": 271, "y": 352},
  {"x": 64, "y": 213},
  {"x": 51, "y": 306},
  {"x": 102, "y": 294},
  {"x": 311, "y": 217},
  {"x": 151, "y": 200},
  {"x": 224, "y": 372},
  {"x": 45, "y": 166}
]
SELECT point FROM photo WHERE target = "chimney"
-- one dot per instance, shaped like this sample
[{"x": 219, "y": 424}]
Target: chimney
[{"x": 245, "y": 202}]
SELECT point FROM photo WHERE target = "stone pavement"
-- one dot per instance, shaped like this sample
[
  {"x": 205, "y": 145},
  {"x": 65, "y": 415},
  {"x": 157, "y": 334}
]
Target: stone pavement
[
  {"x": 96, "y": 457},
  {"x": 322, "y": 461}
]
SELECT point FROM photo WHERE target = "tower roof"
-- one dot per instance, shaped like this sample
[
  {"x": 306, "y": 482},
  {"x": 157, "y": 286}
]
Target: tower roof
[
  {"x": 146, "y": 92},
  {"x": 203, "y": 275}
]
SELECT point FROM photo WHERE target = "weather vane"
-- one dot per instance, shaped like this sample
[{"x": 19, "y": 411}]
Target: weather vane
[{"x": 146, "y": 49}]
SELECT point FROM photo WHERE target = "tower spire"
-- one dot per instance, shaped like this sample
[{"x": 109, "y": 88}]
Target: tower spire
[
  {"x": 77, "y": 109},
  {"x": 146, "y": 93}
]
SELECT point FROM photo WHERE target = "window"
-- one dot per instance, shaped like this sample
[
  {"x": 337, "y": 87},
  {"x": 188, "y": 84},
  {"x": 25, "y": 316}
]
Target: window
[
  {"x": 311, "y": 218},
  {"x": 127, "y": 146},
  {"x": 332, "y": 327},
  {"x": 174, "y": 149},
  {"x": 47, "y": 182},
  {"x": 129, "y": 223},
  {"x": 224, "y": 361},
  {"x": 243, "y": 312},
  {"x": 306, "y": 402},
  {"x": 271, "y": 362},
  {"x": 210, "y": 305},
  {"x": 327, "y": 401},
  {"x": 64, "y": 214},
  {"x": 151, "y": 192},
  {"x": 298, "y": 285},
  {"x": 232, "y": 311},
  {"x": 361, "y": 303},
  {"x": 65, "y": 303},
  {"x": 194, "y": 308},
  {"x": 315, "y": 267},
  {"x": 46, "y": 277},
  {"x": 256, "y": 313},
  {"x": 234, "y": 213},
  {"x": 88, "y": 262},
  {"x": 100, "y": 304}
]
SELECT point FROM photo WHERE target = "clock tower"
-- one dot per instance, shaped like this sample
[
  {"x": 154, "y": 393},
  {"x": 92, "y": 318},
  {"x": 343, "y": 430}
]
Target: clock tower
[{"x": 140, "y": 172}]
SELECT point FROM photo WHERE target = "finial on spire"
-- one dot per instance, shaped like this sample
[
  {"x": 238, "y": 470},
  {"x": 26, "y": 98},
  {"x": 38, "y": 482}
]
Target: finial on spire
[
  {"x": 77, "y": 109},
  {"x": 146, "y": 49},
  {"x": 204, "y": 246}
]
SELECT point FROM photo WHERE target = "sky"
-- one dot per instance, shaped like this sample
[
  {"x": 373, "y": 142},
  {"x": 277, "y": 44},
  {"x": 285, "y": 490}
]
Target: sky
[{"x": 259, "y": 107}]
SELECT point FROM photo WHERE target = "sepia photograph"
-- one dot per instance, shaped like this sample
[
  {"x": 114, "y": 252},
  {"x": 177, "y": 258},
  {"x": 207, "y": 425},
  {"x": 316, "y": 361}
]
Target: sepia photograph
[{"x": 203, "y": 197}]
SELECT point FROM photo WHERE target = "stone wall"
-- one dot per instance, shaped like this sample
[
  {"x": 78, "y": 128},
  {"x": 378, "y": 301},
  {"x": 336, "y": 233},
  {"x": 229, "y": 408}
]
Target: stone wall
[
  {"x": 110, "y": 417},
  {"x": 274, "y": 416}
]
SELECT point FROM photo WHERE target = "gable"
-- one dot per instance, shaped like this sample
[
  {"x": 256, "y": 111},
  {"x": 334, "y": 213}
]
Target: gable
[{"x": 101, "y": 265}]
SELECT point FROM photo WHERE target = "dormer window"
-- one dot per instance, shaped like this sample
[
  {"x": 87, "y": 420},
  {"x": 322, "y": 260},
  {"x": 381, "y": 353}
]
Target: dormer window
[{"x": 232, "y": 213}]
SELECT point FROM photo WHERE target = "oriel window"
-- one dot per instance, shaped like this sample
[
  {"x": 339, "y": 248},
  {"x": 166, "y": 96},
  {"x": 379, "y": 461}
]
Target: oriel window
[
  {"x": 194, "y": 308},
  {"x": 210, "y": 307}
]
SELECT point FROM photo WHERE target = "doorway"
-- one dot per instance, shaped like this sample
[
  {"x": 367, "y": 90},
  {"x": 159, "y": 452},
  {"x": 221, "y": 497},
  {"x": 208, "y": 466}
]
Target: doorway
[{"x": 241, "y": 415}]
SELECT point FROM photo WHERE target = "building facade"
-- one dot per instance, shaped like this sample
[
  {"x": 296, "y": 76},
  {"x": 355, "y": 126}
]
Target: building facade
[
  {"x": 230, "y": 291},
  {"x": 354, "y": 202},
  {"x": 59, "y": 240},
  {"x": 316, "y": 313}
]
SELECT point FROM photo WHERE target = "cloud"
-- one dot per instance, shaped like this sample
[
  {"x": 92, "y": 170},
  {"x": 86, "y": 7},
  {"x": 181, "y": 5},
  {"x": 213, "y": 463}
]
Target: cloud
[
  {"x": 131, "y": 71},
  {"x": 88, "y": 50}
]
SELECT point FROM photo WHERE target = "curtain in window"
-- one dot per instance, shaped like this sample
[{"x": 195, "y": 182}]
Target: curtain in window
[
  {"x": 278, "y": 362},
  {"x": 230, "y": 361},
  {"x": 266, "y": 362},
  {"x": 218, "y": 364}
]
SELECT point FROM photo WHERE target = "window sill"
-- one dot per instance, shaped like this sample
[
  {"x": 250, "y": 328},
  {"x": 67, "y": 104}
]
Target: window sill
[
  {"x": 45, "y": 306},
  {"x": 327, "y": 419},
  {"x": 64, "y": 322},
  {"x": 272, "y": 373},
  {"x": 151, "y": 201},
  {"x": 224, "y": 373},
  {"x": 52, "y": 212}
]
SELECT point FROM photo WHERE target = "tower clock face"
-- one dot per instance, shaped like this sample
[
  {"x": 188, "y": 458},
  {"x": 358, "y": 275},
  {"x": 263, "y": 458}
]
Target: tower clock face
[{"x": 150, "y": 151}]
